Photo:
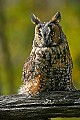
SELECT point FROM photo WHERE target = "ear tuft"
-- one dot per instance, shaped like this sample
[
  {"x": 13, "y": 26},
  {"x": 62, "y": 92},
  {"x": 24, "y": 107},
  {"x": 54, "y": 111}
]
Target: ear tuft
[
  {"x": 34, "y": 19},
  {"x": 56, "y": 17}
]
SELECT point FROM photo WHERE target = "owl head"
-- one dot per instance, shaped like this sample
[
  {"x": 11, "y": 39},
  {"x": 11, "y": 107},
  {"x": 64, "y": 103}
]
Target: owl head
[{"x": 47, "y": 34}]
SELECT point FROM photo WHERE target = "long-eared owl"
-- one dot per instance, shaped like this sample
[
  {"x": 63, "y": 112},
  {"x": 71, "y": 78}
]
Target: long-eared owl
[{"x": 49, "y": 66}]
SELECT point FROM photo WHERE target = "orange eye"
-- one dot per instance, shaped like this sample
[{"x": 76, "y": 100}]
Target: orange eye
[
  {"x": 39, "y": 34},
  {"x": 52, "y": 33},
  {"x": 56, "y": 33}
]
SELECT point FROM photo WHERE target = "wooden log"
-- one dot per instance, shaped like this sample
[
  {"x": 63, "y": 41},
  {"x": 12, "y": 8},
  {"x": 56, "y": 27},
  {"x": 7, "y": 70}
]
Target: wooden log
[{"x": 40, "y": 107}]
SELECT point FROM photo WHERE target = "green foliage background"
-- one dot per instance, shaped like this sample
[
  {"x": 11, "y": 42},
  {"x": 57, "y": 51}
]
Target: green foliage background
[{"x": 17, "y": 33}]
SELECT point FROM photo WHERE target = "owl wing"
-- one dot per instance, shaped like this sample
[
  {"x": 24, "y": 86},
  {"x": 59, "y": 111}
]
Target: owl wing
[
  {"x": 31, "y": 83},
  {"x": 26, "y": 69}
]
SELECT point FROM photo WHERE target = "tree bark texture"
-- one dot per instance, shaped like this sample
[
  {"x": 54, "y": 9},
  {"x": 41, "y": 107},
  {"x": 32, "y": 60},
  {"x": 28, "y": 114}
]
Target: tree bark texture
[{"x": 40, "y": 107}]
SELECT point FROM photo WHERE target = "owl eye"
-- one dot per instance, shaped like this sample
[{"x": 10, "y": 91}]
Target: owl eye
[
  {"x": 52, "y": 33},
  {"x": 39, "y": 34}
]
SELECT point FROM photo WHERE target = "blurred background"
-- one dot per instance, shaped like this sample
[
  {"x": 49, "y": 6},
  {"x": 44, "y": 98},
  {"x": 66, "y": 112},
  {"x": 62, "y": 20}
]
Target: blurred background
[{"x": 17, "y": 34}]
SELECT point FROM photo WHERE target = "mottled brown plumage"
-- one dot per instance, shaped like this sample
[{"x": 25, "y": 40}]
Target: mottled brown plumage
[{"x": 49, "y": 66}]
